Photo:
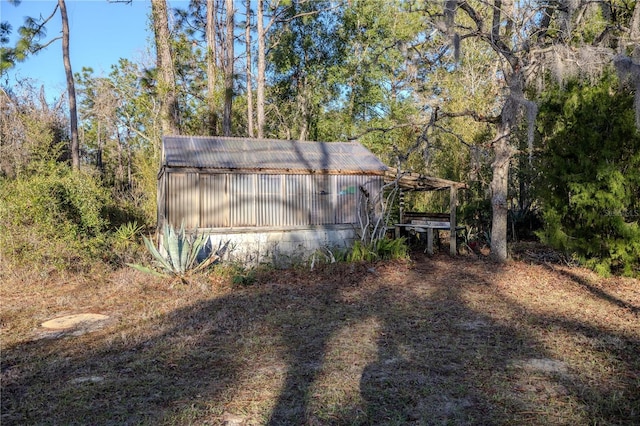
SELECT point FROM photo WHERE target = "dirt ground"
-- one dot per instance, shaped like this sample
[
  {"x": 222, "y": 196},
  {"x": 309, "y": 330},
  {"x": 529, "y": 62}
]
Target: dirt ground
[{"x": 431, "y": 340}]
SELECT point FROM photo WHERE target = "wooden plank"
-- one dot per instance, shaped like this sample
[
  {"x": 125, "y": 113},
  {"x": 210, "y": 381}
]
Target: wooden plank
[
  {"x": 434, "y": 224},
  {"x": 453, "y": 201},
  {"x": 425, "y": 216}
]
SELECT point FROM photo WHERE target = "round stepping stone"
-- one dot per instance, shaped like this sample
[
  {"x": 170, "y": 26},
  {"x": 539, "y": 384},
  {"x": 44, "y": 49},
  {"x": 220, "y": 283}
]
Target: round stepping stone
[{"x": 73, "y": 321}]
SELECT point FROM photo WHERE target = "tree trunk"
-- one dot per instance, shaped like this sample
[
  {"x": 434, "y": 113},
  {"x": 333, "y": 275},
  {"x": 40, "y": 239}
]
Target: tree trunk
[
  {"x": 129, "y": 162},
  {"x": 99, "y": 154},
  {"x": 634, "y": 35},
  {"x": 635, "y": 23},
  {"x": 166, "y": 75},
  {"x": 211, "y": 67},
  {"x": 500, "y": 167},
  {"x": 499, "y": 189},
  {"x": 71, "y": 88},
  {"x": 261, "y": 71},
  {"x": 303, "y": 107},
  {"x": 248, "y": 70},
  {"x": 120, "y": 168},
  {"x": 228, "y": 72}
]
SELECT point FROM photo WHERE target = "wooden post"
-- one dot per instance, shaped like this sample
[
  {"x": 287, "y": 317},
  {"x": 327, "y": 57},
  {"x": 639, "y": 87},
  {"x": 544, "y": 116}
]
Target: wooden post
[
  {"x": 453, "y": 201},
  {"x": 430, "y": 241}
]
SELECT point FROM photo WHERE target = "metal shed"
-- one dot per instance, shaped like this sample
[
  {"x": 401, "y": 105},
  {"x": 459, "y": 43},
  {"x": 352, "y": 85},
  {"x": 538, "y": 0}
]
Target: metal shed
[{"x": 270, "y": 200}]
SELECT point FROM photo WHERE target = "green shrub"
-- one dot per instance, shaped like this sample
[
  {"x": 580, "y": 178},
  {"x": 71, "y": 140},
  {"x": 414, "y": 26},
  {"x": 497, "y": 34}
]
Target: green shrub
[
  {"x": 381, "y": 249},
  {"x": 244, "y": 277},
  {"x": 126, "y": 243},
  {"x": 128, "y": 233},
  {"x": 326, "y": 256},
  {"x": 52, "y": 217},
  {"x": 238, "y": 274},
  {"x": 590, "y": 191}
]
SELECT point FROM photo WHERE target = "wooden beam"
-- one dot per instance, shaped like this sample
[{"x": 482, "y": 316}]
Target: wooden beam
[
  {"x": 418, "y": 182},
  {"x": 453, "y": 201}
]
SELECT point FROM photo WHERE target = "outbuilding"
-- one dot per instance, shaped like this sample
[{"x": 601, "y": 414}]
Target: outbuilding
[{"x": 267, "y": 200}]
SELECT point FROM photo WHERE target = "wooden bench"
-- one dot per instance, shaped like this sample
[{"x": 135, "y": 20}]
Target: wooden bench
[
  {"x": 407, "y": 217},
  {"x": 425, "y": 223}
]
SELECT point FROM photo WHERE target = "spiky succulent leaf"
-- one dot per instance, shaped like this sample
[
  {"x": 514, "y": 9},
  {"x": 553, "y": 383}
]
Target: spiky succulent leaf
[
  {"x": 156, "y": 255},
  {"x": 181, "y": 253},
  {"x": 205, "y": 263},
  {"x": 146, "y": 269},
  {"x": 185, "y": 250},
  {"x": 172, "y": 245},
  {"x": 197, "y": 246}
]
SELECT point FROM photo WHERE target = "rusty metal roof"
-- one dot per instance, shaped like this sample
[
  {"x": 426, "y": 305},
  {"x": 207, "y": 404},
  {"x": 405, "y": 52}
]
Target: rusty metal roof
[{"x": 246, "y": 154}]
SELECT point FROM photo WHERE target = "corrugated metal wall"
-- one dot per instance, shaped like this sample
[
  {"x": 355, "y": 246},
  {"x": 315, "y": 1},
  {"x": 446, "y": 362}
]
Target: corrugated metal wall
[
  {"x": 270, "y": 200},
  {"x": 322, "y": 197},
  {"x": 242, "y": 199},
  {"x": 214, "y": 201},
  {"x": 264, "y": 200},
  {"x": 348, "y": 193},
  {"x": 183, "y": 199},
  {"x": 296, "y": 200}
]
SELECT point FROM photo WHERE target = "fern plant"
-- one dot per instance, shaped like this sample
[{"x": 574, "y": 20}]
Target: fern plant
[
  {"x": 182, "y": 254},
  {"x": 382, "y": 249}
]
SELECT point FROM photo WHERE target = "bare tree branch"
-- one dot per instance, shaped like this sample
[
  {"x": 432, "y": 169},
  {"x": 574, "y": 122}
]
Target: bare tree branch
[
  {"x": 481, "y": 118},
  {"x": 379, "y": 129}
]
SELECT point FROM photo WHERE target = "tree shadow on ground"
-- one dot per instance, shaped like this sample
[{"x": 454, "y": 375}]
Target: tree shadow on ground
[
  {"x": 436, "y": 355},
  {"x": 598, "y": 292},
  {"x": 442, "y": 361},
  {"x": 123, "y": 379},
  {"x": 413, "y": 347},
  {"x": 189, "y": 363}
]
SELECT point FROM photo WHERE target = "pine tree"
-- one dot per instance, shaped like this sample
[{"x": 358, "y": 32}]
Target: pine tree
[{"x": 590, "y": 189}]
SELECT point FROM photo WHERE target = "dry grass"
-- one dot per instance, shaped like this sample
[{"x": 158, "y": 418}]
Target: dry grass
[{"x": 433, "y": 341}]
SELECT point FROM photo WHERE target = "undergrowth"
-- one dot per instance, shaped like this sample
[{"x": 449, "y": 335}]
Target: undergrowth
[
  {"x": 381, "y": 249},
  {"x": 53, "y": 217}
]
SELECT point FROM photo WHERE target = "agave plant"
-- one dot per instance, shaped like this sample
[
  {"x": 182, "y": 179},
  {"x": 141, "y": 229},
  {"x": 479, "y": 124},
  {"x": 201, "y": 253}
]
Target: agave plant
[
  {"x": 127, "y": 233},
  {"x": 182, "y": 254}
]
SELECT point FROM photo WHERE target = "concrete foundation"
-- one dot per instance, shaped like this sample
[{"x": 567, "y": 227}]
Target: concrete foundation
[{"x": 280, "y": 247}]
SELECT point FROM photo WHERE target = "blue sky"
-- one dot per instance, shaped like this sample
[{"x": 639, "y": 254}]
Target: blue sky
[{"x": 100, "y": 34}]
